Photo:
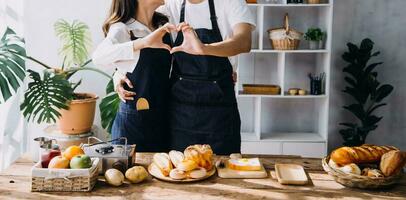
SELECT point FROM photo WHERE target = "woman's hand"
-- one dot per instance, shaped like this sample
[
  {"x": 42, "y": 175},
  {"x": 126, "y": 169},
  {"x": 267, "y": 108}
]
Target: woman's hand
[
  {"x": 191, "y": 43},
  {"x": 122, "y": 92},
  {"x": 154, "y": 40}
]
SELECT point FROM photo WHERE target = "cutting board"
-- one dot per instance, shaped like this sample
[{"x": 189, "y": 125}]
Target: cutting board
[{"x": 229, "y": 173}]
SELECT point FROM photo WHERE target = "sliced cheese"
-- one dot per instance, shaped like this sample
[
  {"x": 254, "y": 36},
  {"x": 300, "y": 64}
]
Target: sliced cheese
[{"x": 245, "y": 164}]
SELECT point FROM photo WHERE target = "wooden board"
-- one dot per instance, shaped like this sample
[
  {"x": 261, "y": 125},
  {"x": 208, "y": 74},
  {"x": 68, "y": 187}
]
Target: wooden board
[
  {"x": 229, "y": 173},
  {"x": 290, "y": 174}
]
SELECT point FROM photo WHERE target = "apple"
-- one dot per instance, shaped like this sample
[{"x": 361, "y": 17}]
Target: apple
[
  {"x": 58, "y": 162},
  {"x": 80, "y": 162}
]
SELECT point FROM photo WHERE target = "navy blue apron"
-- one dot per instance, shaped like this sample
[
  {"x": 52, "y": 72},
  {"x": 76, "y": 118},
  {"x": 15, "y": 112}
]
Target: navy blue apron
[
  {"x": 148, "y": 129},
  {"x": 203, "y": 103}
]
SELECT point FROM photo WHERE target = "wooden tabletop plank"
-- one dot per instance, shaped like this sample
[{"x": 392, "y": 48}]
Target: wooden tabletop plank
[{"x": 15, "y": 183}]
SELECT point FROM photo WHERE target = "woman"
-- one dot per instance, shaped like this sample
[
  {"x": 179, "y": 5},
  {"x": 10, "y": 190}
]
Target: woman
[
  {"x": 137, "y": 43},
  {"x": 203, "y": 105}
]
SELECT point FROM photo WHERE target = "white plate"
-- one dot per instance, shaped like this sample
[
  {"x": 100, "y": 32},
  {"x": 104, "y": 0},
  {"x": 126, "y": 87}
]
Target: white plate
[{"x": 158, "y": 175}]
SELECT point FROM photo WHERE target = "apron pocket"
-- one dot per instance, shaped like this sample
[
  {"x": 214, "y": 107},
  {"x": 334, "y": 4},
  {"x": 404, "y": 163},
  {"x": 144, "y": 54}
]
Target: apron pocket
[{"x": 197, "y": 92}]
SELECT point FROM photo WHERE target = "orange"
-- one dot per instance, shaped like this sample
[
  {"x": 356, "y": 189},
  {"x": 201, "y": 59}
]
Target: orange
[
  {"x": 59, "y": 162},
  {"x": 72, "y": 151}
]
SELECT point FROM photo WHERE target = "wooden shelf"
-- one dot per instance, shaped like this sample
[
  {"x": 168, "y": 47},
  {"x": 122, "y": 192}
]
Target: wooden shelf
[
  {"x": 285, "y": 96},
  {"x": 289, "y": 51},
  {"x": 290, "y": 5}
]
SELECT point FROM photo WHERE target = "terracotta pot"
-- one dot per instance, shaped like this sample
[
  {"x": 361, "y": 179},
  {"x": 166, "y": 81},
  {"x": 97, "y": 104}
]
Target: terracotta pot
[{"x": 80, "y": 116}]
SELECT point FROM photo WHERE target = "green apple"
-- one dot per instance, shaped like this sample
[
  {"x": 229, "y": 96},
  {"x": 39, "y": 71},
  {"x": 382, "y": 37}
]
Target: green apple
[{"x": 80, "y": 162}]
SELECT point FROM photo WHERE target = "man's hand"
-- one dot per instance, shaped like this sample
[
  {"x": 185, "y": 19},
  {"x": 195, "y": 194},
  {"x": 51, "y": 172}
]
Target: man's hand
[
  {"x": 191, "y": 43},
  {"x": 154, "y": 40},
  {"x": 122, "y": 92}
]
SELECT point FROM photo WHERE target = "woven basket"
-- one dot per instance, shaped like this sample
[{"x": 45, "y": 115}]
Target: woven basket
[
  {"x": 285, "y": 38},
  {"x": 357, "y": 181},
  {"x": 64, "y": 180},
  {"x": 261, "y": 89},
  {"x": 313, "y": 1}
]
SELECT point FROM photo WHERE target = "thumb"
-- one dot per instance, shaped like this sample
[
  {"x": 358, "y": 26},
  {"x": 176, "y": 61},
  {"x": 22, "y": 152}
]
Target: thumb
[
  {"x": 177, "y": 49},
  {"x": 167, "y": 47}
]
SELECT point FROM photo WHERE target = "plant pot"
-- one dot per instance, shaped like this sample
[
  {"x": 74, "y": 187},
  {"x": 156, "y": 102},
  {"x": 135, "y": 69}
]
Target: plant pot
[
  {"x": 80, "y": 116},
  {"x": 313, "y": 45}
]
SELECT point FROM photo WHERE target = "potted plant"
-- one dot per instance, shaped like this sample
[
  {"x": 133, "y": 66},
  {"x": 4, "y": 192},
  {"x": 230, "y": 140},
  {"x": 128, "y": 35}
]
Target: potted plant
[
  {"x": 51, "y": 95},
  {"x": 365, "y": 89},
  {"x": 315, "y": 37}
]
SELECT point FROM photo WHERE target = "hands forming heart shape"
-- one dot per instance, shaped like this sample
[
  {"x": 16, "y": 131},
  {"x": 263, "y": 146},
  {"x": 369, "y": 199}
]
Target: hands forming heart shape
[{"x": 191, "y": 43}]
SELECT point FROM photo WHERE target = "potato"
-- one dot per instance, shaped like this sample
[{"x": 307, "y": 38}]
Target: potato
[
  {"x": 136, "y": 174},
  {"x": 114, "y": 177}
]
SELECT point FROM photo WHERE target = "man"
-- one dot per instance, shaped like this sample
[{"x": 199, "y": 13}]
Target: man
[{"x": 203, "y": 104}]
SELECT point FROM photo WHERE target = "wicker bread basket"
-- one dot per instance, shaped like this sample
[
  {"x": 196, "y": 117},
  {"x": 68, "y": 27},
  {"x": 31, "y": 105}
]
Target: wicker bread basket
[
  {"x": 357, "y": 181},
  {"x": 261, "y": 89},
  {"x": 64, "y": 180},
  {"x": 285, "y": 38},
  {"x": 313, "y": 1}
]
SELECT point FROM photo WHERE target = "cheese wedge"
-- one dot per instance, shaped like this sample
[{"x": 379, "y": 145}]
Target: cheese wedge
[
  {"x": 245, "y": 164},
  {"x": 142, "y": 104}
]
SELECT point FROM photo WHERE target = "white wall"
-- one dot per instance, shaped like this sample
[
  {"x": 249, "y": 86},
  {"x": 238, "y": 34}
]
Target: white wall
[{"x": 44, "y": 45}]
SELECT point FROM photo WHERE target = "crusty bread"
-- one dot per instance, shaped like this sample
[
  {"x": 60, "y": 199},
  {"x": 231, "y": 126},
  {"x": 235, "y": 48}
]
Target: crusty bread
[
  {"x": 163, "y": 162},
  {"x": 201, "y": 154},
  {"x": 392, "y": 162},
  {"x": 358, "y": 155}
]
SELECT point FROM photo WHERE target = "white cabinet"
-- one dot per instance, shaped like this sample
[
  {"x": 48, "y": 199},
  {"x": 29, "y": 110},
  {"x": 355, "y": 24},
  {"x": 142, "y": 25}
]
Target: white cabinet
[{"x": 283, "y": 124}]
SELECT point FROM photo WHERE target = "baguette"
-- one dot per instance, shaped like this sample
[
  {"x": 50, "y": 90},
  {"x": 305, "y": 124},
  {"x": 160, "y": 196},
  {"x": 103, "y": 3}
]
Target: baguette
[
  {"x": 360, "y": 155},
  {"x": 163, "y": 162}
]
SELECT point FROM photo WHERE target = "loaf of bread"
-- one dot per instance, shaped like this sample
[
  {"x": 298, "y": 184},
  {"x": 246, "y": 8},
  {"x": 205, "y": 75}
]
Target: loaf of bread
[
  {"x": 392, "y": 162},
  {"x": 201, "y": 154},
  {"x": 359, "y": 155}
]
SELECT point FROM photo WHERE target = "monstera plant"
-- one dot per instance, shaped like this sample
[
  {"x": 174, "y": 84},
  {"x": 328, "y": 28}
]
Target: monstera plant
[
  {"x": 51, "y": 92},
  {"x": 365, "y": 89}
]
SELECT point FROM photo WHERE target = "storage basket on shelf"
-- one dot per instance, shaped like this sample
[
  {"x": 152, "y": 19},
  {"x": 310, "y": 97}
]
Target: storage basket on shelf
[
  {"x": 313, "y": 1},
  {"x": 64, "y": 180},
  {"x": 358, "y": 181},
  {"x": 285, "y": 38},
  {"x": 261, "y": 89}
]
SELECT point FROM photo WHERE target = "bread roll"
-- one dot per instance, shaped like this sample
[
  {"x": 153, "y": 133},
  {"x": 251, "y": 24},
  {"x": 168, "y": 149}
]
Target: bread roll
[
  {"x": 362, "y": 154},
  {"x": 187, "y": 165},
  {"x": 177, "y": 174},
  {"x": 351, "y": 169},
  {"x": 373, "y": 173},
  {"x": 392, "y": 162},
  {"x": 163, "y": 162},
  {"x": 198, "y": 173},
  {"x": 176, "y": 157}
]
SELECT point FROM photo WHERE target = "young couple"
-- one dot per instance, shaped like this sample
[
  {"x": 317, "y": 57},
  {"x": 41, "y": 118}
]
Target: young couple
[{"x": 187, "y": 82}]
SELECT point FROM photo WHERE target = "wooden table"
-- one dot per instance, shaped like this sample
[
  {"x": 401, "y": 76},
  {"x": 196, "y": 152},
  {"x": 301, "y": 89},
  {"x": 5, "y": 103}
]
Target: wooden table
[{"x": 15, "y": 184}]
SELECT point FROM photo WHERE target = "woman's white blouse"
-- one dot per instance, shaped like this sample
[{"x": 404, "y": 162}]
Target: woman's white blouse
[{"x": 116, "y": 51}]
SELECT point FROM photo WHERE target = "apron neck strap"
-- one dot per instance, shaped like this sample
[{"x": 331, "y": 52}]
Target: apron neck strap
[{"x": 213, "y": 16}]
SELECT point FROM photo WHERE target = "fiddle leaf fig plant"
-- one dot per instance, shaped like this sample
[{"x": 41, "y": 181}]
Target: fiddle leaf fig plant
[
  {"x": 365, "y": 89},
  {"x": 51, "y": 89}
]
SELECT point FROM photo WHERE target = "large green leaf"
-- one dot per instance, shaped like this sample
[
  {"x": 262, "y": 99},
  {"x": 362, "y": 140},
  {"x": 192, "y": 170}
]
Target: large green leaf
[
  {"x": 357, "y": 110},
  {"x": 383, "y": 92},
  {"x": 12, "y": 64},
  {"x": 109, "y": 107},
  {"x": 76, "y": 41},
  {"x": 45, "y": 97}
]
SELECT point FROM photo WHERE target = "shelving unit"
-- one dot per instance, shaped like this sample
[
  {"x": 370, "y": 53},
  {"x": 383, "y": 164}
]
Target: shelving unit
[{"x": 285, "y": 124}]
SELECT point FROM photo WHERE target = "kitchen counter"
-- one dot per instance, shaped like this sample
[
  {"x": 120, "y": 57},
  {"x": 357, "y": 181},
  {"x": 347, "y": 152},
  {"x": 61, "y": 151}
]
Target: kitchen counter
[{"x": 15, "y": 183}]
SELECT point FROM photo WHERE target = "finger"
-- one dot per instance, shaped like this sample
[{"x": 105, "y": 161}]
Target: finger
[
  {"x": 128, "y": 98},
  {"x": 128, "y": 82},
  {"x": 167, "y": 47},
  {"x": 181, "y": 25},
  {"x": 170, "y": 27},
  {"x": 177, "y": 49},
  {"x": 129, "y": 94}
]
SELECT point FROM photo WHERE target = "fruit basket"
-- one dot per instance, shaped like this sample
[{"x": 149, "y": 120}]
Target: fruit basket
[
  {"x": 64, "y": 180},
  {"x": 358, "y": 181}
]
